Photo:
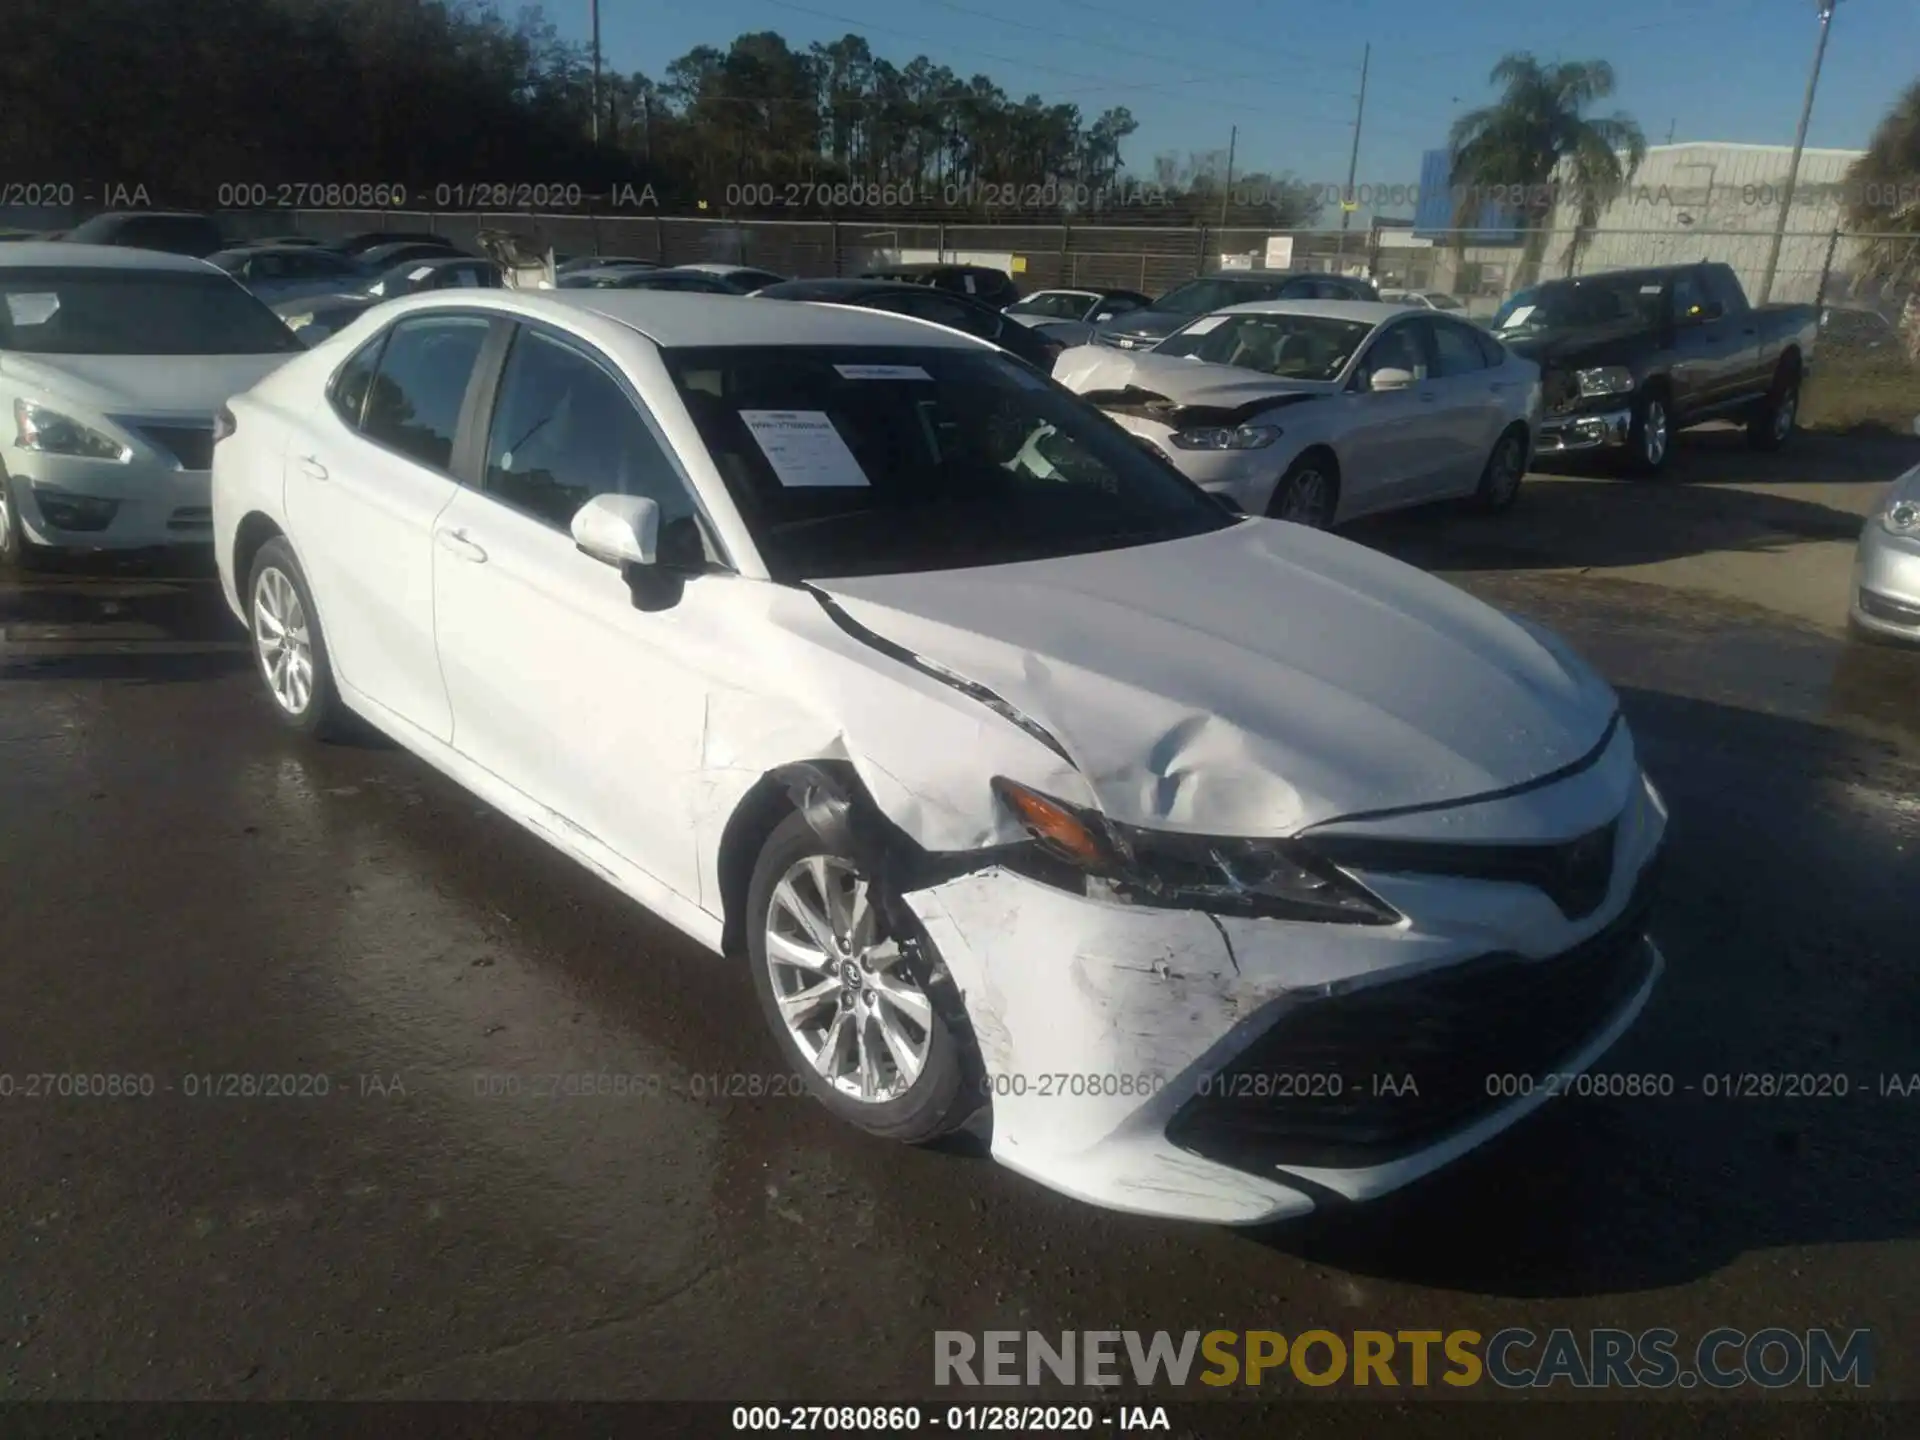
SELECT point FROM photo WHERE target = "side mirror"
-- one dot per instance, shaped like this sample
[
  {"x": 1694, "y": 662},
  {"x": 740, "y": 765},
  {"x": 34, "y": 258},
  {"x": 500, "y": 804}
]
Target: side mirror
[
  {"x": 1390, "y": 378},
  {"x": 618, "y": 530}
]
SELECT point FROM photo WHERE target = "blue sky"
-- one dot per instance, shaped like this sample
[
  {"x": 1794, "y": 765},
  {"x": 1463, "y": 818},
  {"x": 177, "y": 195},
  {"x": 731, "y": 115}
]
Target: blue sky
[{"x": 1287, "y": 73}]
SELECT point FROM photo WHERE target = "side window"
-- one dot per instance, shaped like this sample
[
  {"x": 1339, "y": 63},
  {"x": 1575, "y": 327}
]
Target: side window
[
  {"x": 1456, "y": 350},
  {"x": 1494, "y": 352},
  {"x": 350, "y": 386},
  {"x": 1397, "y": 348},
  {"x": 1688, "y": 296},
  {"x": 414, "y": 405},
  {"x": 564, "y": 431},
  {"x": 1724, "y": 286}
]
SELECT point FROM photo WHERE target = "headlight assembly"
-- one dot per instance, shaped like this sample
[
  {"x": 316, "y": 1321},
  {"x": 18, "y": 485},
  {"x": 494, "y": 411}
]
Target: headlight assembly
[
  {"x": 1241, "y": 437},
  {"x": 1227, "y": 876},
  {"x": 51, "y": 433},
  {"x": 1902, "y": 517},
  {"x": 1605, "y": 380}
]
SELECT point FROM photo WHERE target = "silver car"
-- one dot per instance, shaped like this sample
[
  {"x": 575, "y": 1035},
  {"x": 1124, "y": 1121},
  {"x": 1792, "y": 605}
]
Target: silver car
[{"x": 1886, "y": 567}]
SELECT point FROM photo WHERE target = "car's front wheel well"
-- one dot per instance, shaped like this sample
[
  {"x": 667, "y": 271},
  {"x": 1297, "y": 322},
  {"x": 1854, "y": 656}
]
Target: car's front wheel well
[
  {"x": 754, "y": 819},
  {"x": 254, "y": 531}
]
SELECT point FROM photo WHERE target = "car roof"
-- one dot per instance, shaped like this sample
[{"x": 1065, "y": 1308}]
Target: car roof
[
  {"x": 148, "y": 215},
  {"x": 675, "y": 320},
  {"x": 73, "y": 255},
  {"x": 265, "y": 247},
  {"x": 933, "y": 267},
  {"x": 1370, "y": 312},
  {"x": 846, "y": 288}
]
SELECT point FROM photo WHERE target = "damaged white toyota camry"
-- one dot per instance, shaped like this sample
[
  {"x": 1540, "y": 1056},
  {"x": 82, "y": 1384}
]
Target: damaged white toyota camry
[{"x": 1220, "y": 868}]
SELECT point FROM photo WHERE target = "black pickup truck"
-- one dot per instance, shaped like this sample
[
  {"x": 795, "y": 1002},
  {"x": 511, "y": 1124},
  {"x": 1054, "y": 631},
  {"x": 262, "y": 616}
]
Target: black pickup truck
[{"x": 1628, "y": 357}]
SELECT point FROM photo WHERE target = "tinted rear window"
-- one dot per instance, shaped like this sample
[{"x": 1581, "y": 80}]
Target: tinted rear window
[{"x": 89, "y": 311}]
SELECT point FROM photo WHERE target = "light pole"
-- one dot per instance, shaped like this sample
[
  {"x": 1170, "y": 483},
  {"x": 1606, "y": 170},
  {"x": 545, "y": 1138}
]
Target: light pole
[
  {"x": 1799, "y": 144},
  {"x": 594, "y": 92}
]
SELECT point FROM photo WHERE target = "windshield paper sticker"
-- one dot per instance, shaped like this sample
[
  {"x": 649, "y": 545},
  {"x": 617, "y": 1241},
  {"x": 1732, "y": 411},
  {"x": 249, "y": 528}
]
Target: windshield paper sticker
[
  {"x": 1202, "y": 326},
  {"x": 421, "y": 273},
  {"x": 882, "y": 372},
  {"x": 32, "y": 308},
  {"x": 1518, "y": 317},
  {"x": 806, "y": 452}
]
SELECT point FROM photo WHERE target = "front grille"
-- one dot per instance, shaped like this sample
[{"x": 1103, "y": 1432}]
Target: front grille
[
  {"x": 1366, "y": 1078},
  {"x": 1575, "y": 874},
  {"x": 1892, "y": 611},
  {"x": 191, "y": 445}
]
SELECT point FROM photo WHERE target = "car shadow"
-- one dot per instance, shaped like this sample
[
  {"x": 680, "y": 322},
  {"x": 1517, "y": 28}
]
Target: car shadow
[
  {"x": 1718, "y": 454},
  {"x": 1787, "y": 919},
  {"x": 1577, "y": 523}
]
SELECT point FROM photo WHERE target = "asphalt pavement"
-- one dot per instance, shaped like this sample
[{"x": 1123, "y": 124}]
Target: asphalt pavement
[{"x": 187, "y": 893}]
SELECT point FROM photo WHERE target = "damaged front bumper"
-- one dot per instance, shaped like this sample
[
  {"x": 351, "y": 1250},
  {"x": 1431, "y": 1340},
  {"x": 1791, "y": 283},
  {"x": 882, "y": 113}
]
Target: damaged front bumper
[{"x": 1237, "y": 1071}]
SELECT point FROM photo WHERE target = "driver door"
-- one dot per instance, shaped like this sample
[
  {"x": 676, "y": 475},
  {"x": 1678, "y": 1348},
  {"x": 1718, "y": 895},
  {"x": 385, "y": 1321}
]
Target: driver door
[
  {"x": 559, "y": 685},
  {"x": 1389, "y": 455}
]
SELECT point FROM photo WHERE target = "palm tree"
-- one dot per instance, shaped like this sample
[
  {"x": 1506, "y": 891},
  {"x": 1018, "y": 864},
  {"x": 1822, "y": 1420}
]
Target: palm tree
[
  {"x": 1536, "y": 143},
  {"x": 1882, "y": 187}
]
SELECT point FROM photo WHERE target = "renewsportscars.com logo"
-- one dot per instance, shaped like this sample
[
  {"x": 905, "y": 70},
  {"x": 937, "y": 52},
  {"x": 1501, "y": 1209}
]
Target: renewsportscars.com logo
[{"x": 1601, "y": 1359}]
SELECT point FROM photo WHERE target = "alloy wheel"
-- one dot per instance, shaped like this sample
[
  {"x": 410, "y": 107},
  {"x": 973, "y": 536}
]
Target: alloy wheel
[
  {"x": 282, "y": 642},
  {"x": 1508, "y": 470},
  {"x": 1306, "y": 499},
  {"x": 1654, "y": 443},
  {"x": 1786, "y": 412},
  {"x": 851, "y": 1005}
]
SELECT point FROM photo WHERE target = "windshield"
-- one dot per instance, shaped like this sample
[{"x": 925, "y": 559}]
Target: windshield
[
  {"x": 1294, "y": 347},
  {"x": 1443, "y": 302},
  {"x": 894, "y": 460},
  {"x": 94, "y": 311},
  {"x": 1056, "y": 305},
  {"x": 1200, "y": 297},
  {"x": 1579, "y": 304}
]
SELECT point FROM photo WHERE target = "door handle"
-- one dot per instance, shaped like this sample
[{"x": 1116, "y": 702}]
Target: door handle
[
  {"x": 313, "y": 467},
  {"x": 457, "y": 543}
]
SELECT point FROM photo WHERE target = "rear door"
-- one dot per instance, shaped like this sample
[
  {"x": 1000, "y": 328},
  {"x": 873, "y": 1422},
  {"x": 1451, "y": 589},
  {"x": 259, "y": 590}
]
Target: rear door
[
  {"x": 365, "y": 479},
  {"x": 1704, "y": 346},
  {"x": 1747, "y": 370}
]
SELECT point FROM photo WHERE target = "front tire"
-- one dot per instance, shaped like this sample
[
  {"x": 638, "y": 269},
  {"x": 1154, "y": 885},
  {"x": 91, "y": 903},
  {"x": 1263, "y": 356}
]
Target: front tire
[
  {"x": 870, "y": 1021},
  {"x": 16, "y": 550},
  {"x": 1309, "y": 493},
  {"x": 289, "y": 649},
  {"x": 1650, "y": 436},
  {"x": 1773, "y": 420}
]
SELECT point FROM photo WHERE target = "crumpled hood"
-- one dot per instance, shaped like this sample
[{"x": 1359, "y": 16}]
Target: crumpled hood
[
  {"x": 1254, "y": 681},
  {"x": 143, "y": 384},
  {"x": 1094, "y": 369}
]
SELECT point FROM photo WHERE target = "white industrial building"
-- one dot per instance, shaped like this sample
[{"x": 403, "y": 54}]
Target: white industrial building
[{"x": 1692, "y": 201}]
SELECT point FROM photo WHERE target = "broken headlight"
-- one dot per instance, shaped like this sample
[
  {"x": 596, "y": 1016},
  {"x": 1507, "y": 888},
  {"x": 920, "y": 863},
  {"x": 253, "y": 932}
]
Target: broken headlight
[
  {"x": 1223, "y": 875},
  {"x": 1225, "y": 437}
]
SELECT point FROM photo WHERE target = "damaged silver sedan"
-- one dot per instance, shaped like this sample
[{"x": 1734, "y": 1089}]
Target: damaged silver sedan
[{"x": 1215, "y": 867}]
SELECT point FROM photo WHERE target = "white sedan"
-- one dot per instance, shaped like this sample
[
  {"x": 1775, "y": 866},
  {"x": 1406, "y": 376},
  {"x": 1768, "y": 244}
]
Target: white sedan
[
  {"x": 879, "y": 664},
  {"x": 1320, "y": 411},
  {"x": 113, "y": 363}
]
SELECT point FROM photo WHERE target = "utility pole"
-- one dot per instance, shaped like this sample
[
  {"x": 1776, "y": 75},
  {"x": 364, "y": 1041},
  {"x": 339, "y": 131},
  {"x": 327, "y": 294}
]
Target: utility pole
[
  {"x": 594, "y": 93},
  {"x": 1672, "y": 125},
  {"x": 1226, "y": 192},
  {"x": 1353, "y": 161},
  {"x": 1799, "y": 144}
]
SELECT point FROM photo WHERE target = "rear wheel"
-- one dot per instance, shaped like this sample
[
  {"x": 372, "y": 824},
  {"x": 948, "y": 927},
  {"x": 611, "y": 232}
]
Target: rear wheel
[
  {"x": 1773, "y": 420},
  {"x": 1309, "y": 493},
  {"x": 869, "y": 1020},
  {"x": 1506, "y": 468}
]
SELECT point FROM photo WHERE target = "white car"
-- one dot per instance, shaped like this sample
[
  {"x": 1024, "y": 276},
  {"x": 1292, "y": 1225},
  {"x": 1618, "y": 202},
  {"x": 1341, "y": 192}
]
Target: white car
[
  {"x": 1073, "y": 316},
  {"x": 1423, "y": 299},
  {"x": 1218, "y": 867},
  {"x": 113, "y": 363},
  {"x": 1320, "y": 411},
  {"x": 279, "y": 273}
]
